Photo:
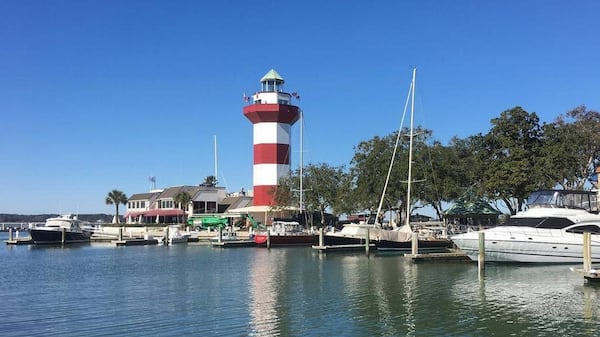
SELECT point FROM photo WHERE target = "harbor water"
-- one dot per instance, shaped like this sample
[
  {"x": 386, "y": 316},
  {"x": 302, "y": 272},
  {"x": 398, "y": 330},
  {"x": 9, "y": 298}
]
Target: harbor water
[{"x": 99, "y": 289}]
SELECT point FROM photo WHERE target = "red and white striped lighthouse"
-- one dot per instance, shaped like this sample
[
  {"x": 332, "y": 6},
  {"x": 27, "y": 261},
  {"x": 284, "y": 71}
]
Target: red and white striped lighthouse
[{"x": 272, "y": 115}]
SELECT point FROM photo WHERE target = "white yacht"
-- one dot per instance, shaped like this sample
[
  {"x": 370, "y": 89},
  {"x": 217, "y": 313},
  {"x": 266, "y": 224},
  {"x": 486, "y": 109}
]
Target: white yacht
[{"x": 549, "y": 231}]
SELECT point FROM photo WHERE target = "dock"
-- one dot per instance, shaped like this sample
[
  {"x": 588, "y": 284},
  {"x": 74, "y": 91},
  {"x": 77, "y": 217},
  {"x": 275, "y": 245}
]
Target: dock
[
  {"x": 337, "y": 248},
  {"x": 19, "y": 241},
  {"x": 233, "y": 243},
  {"x": 439, "y": 257},
  {"x": 136, "y": 242}
]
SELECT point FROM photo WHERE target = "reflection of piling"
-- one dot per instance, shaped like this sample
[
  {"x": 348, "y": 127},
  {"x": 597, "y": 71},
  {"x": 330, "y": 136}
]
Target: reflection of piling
[
  {"x": 268, "y": 238},
  {"x": 367, "y": 243},
  {"x": 481, "y": 256}
]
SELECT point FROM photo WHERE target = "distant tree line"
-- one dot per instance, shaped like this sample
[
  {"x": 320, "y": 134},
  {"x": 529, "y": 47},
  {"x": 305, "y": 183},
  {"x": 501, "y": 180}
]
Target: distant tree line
[
  {"x": 517, "y": 156},
  {"x": 104, "y": 218}
]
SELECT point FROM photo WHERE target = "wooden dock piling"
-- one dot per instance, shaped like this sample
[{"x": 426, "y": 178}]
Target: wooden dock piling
[{"x": 481, "y": 256}]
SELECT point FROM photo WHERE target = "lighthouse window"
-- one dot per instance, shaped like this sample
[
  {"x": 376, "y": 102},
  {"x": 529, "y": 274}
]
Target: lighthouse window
[{"x": 283, "y": 101}]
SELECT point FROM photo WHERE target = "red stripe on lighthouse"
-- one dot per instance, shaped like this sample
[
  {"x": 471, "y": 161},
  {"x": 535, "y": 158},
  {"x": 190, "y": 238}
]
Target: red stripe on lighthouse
[
  {"x": 263, "y": 195},
  {"x": 271, "y": 153}
]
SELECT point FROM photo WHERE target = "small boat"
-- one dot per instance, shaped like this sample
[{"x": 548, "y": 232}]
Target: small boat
[
  {"x": 62, "y": 229},
  {"x": 173, "y": 236},
  {"x": 350, "y": 234},
  {"x": 286, "y": 232},
  {"x": 550, "y": 230}
]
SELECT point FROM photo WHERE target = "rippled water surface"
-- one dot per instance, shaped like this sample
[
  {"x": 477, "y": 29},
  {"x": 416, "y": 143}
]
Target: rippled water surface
[{"x": 197, "y": 290}]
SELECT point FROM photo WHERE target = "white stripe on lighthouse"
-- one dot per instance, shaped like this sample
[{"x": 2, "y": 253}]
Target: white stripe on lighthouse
[
  {"x": 272, "y": 133},
  {"x": 269, "y": 174}
]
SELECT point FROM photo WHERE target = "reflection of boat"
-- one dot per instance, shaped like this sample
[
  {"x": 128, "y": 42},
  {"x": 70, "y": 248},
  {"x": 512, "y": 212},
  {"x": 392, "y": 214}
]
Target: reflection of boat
[
  {"x": 549, "y": 231},
  {"x": 286, "y": 233},
  {"x": 62, "y": 229}
]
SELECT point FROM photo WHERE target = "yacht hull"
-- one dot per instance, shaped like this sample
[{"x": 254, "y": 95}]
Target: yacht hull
[
  {"x": 537, "y": 246},
  {"x": 42, "y": 236}
]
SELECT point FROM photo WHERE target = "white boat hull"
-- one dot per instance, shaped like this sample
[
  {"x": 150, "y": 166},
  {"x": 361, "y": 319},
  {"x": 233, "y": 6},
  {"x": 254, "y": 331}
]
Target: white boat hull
[{"x": 529, "y": 245}]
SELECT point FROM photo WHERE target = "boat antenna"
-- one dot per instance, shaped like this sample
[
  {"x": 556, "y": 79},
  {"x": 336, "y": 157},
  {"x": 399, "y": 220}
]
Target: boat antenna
[{"x": 216, "y": 161}]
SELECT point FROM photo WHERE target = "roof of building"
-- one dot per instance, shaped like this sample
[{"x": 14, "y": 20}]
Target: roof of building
[
  {"x": 467, "y": 207},
  {"x": 142, "y": 196},
  {"x": 272, "y": 75},
  {"x": 237, "y": 202}
]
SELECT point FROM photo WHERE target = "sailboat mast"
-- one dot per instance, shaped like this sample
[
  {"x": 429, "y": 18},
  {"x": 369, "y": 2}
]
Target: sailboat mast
[
  {"x": 410, "y": 145},
  {"x": 216, "y": 160},
  {"x": 301, "y": 160}
]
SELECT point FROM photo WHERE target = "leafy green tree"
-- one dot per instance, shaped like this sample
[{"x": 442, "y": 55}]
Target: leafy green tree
[
  {"x": 210, "y": 181},
  {"x": 511, "y": 153},
  {"x": 324, "y": 189},
  {"x": 369, "y": 169},
  {"x": 571, "y": 148},
  {"x": 183, "y": 198},
  {"x": 116, "y": 197}
]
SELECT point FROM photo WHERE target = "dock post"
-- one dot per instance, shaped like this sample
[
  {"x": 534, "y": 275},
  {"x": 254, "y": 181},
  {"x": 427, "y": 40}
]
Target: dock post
[
  {"x": 481, "y": 256},
  {"x": 220, "y": 234},
  {"x": 587, "y": 252},
  {"x": 166, "y": 239},
  {"x": 321, "y": 238},
  {"x": 415, "y": 244},
  {"x": 10, "y": 234},
  {"x": 120, "y": 233},
  {"x": 268, "y": 238},
  {"x": 367, "y": 243},
  {"x": 63, "y": 235}
]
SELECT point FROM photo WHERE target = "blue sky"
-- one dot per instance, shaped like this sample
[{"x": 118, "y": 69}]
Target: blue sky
[{"x": 100, "y": 95}]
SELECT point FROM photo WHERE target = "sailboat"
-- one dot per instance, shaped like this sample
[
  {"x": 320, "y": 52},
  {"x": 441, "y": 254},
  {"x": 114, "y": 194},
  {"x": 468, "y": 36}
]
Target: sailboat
[{"x": 401, "y": 237}]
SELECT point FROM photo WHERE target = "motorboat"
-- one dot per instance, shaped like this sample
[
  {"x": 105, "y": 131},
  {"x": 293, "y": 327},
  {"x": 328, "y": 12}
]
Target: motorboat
[
  {"x": 550, "y": 230},
  {"x": 61, "y": 230},
  {"x": 173, "y": 236},
  {"x": 285, "y": 232}
]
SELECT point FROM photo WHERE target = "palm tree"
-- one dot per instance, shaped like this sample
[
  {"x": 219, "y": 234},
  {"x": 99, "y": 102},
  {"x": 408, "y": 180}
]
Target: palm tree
[
  {"x": 116, "y": 197},
  {"x": 183, "y": 198}
]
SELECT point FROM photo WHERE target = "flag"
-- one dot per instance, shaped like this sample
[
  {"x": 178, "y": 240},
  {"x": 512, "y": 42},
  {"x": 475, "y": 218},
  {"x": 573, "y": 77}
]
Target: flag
[
  {"x": 152, "y": 179},
  {"x": 246, "y": 98}
]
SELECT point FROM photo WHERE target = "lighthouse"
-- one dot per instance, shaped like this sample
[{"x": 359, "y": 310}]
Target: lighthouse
[{"x": 272, "y": 116}]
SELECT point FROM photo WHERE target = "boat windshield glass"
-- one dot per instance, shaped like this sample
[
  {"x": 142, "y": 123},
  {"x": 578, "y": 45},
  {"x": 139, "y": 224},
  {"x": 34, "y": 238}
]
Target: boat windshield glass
[{"x": 564, "y": 198}]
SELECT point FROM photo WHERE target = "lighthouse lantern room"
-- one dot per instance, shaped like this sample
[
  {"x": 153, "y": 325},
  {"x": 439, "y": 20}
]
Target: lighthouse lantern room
[{"x": 272, "y": 116}]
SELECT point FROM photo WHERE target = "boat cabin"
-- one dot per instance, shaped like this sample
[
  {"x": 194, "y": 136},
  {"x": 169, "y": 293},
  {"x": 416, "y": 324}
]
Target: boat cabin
[{"x": 586, "y": 200}]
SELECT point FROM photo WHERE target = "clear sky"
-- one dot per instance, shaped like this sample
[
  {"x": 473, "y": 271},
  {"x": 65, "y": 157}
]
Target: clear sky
[{"x": 100, "y": 95}]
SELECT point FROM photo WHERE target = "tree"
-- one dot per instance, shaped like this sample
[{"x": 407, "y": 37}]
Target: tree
[
  {"x": 325, "y": 188},
  {"x": 183, "y": 198},
  {"x": 571, "y": 148},
  {"x": 116, "y": 197},
  {"x": 210, "y": 181},
  {"x": 510, "y": 153}
]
